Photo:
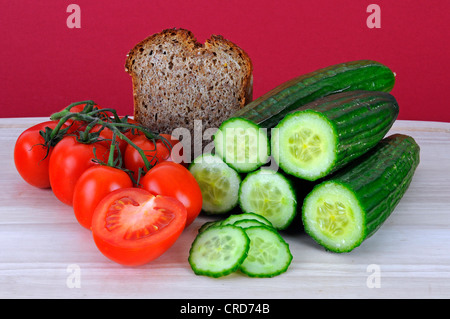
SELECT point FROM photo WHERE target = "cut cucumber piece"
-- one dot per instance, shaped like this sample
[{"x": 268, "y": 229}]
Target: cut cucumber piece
[
  {"x": 334, "y": 217},
  {"x": 242, "y": 144},
  {"x": 343, "y": 211},
  {"x": 246, "y": 223},
  {"x": 269, "y": 254},
  {"x": 232, "y": 219},
  {"x": 208, "y": 224},
  {"x": 327, "y": 134},
  {"x": 218, "y": 251},
  {"x": 304, "y": 145},
  {"x": 269, "y": 194},
  {"x": 218, "y": 182}
]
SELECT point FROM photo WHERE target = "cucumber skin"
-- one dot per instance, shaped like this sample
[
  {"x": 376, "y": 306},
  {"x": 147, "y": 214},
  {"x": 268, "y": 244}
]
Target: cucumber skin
[
  {"x": 378, "y": 179},
  {"x": 271, "y": 107},
  {"x": 360, "y": 120}
]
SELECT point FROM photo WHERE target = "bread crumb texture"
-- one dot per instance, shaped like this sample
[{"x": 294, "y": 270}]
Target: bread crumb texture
[{"x": 177, "y": 80}]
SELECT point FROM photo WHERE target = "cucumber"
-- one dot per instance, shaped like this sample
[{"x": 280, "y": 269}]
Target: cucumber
[
  {"x": 269, "y": 254},
  {"x": 346, "y": 209},
  {"x": 208, "y": 224},
  {"x": 272, "y": 107},
  {"x": 233, "y": 219},
  {"x": 218, "y": 251},
  {"x": 254, "y": 248},
  {"x": 269, "y": 194},
  {"x": 325, "y": 135},
  {"x": 218, "y": 183},
  {"x": 242, "y": 144},
  {"x": 246, "y": 223}
]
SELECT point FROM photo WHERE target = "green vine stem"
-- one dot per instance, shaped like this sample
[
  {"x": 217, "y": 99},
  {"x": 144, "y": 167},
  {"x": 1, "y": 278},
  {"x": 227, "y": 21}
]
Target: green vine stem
[{"x": 95, "y": 116}]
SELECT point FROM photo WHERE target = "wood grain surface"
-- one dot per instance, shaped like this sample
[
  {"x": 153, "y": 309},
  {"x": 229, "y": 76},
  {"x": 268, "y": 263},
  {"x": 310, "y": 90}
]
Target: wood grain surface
[{"x": 45, "y": 253}]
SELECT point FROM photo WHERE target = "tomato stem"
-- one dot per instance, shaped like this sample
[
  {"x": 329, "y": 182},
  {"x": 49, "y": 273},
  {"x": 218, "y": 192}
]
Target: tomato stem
[
  {"x": 111, "y": 151},
  {"x": 95, "y": 116}
]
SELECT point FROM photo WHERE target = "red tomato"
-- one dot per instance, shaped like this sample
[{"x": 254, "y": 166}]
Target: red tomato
[
  {"x": 132, "y": 227},
  {"x": 68, "y": 161},
  {"x": 175, "y": 180},
  {"x": 107, "y": 135},
  {"x": 155, "y": 154},
  {"x": 94, "y": 184},
  {"x": 131, "y": 133},
  {"x": 29, "y": 155},
  {"x": 176, "y": 154}
]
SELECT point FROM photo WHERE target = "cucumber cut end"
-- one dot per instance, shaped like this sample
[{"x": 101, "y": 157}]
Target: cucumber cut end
[
  {"x": 269, "y": 194},
  {"x": 268, "y": 255},
  {"x": 218, "y": 251},
  {"x": 304, "y": 144},
  {"x": 333, "y": 217},
  {"x": 218, "y": 183},
  {"x": 242, "y": 144}
]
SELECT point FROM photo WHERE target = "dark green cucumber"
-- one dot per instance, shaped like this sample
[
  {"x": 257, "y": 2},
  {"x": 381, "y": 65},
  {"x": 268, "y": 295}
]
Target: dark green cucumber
[
  {"x": 269, "y": 109},
  {"x": 343, "y": 211},
  {"x": 324, "y": 135}
]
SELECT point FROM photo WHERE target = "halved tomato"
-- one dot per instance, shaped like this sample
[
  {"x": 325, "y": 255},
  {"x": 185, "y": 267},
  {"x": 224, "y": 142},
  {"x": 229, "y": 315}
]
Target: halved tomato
[{"x": 133, "y": 227}]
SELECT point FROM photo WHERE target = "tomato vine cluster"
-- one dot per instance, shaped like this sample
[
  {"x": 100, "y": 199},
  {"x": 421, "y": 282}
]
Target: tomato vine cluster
[{"x": 120, "y": 178}]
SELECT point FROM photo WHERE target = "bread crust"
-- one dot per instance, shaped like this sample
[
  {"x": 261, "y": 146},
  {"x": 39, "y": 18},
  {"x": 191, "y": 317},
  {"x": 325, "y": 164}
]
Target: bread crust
[{"x": 149, "y": 112}]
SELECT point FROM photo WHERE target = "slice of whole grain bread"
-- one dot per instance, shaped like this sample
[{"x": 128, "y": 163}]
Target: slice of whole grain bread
[{"x": 177, "y": 80}]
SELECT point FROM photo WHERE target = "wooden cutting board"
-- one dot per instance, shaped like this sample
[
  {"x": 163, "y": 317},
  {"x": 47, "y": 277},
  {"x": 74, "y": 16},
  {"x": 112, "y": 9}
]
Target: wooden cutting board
[{"x": 45, "y": 253}]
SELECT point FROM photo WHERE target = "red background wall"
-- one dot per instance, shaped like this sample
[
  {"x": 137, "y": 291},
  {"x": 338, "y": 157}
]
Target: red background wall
[{"x": 45, "y": 65}]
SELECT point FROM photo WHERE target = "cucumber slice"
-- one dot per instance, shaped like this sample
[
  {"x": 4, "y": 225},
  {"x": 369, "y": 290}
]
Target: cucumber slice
[
  {"x": 242, "y": 144},
  {"x": 269, "y": 194},
  {"x": 333, "y": 217},
  {"x": 246, "y": 223},
  {"x": 232, "y": 219},
  {"x": 218, "y": 183},
  {"x": 269, "y": 254},
  {"x": 218, "y": 251},
  {"x": 304, "y": 144},
  {"x": 208, "y": 224}
]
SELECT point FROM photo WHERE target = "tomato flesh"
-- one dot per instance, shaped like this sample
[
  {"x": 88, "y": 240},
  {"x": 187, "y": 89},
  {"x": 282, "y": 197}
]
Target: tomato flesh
[
  {"x": 137, "y": 220},
  {"x": 133, "y": 227}
]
